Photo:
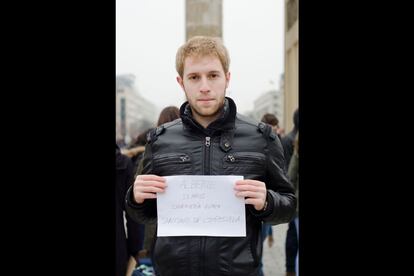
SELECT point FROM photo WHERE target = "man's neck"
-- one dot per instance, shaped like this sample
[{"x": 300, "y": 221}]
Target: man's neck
[{"x": 205, "y": 121}]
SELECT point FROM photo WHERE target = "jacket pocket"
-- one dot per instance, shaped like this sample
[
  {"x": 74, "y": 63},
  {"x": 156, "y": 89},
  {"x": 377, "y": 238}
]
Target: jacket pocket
[
  {"x": 247, "y": 162},
  {"x": 172, "y": 163}
]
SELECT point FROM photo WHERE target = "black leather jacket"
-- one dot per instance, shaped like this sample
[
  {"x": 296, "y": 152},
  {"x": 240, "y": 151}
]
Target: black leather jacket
[{"x": 231, "y": 145}]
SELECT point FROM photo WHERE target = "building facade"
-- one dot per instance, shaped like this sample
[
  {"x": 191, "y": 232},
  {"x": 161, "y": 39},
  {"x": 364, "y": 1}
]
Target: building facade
[
  {"x": 291, "y": 78},
  {"x": 269, "y": 102},
  {"x": 132, "y": 110}
]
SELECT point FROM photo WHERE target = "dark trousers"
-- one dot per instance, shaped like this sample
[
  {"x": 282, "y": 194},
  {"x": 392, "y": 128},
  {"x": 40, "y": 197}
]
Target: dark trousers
[{"x": 291, "y": 247}]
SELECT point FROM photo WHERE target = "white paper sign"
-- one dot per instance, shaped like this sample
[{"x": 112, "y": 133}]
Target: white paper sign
[{"x": 201, "y": 205}]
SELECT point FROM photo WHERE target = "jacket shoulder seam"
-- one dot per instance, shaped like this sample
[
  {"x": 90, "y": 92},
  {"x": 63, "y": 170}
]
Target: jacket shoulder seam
[
  {"x": 246, "y": 121},
  {"x": 172, "y": 123}
]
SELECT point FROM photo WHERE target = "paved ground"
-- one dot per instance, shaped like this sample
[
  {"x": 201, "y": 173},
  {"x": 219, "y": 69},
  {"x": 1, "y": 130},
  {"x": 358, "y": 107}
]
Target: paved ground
[{"x": 274, "y": 257}]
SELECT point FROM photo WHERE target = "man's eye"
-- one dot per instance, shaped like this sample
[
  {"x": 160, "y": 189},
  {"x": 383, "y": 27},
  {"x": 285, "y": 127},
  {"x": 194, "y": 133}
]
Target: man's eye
[
  {"x": 193, "y": 78},
  {"x": 214, "y": 76}
]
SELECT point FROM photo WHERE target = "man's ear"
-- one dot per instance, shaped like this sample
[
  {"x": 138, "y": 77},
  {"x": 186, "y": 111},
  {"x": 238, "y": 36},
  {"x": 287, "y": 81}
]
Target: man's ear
[
  {"x": 180, "y": 82},
  {"x": 227, "y": 79}
]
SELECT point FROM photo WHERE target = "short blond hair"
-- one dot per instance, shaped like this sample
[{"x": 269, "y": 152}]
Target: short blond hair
[{"x": 200, "y": 46}]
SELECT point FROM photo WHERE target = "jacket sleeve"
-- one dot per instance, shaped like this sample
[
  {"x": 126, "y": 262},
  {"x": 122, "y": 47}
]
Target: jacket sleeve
[
  {"x": 147, "y": 211},
  {"x": 281, "y": 200}
]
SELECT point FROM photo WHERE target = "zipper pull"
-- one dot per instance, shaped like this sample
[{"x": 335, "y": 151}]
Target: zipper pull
[
  {"x": 207, "y": 141},
  {"x": 184, "y": 158}
]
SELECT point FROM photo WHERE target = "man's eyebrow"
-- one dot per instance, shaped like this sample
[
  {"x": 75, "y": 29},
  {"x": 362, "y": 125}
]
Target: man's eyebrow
[
  {"x": 209, "y": 72},
  {"x": 192, "y": 73}
]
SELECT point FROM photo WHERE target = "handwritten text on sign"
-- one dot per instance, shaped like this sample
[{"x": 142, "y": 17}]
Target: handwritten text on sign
[{"x": 201, "y": 205}]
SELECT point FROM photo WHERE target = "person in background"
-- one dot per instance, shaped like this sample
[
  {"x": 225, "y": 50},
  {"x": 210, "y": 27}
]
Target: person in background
[
  {"x": 291, "y": 244},
  {"x": 273, "y": 121},
  {"x": 267, "y": 232},
  {"x": 168, "y": 114},
  {"x": 293, "y": 174},
  {"x": 288, "y": 139},
  {"x": 136, "y": 150},
  {"x": 128, "y": 233}
]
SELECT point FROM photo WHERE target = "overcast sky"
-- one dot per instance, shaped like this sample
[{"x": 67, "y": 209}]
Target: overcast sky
[{"x": 149, "y": 32}]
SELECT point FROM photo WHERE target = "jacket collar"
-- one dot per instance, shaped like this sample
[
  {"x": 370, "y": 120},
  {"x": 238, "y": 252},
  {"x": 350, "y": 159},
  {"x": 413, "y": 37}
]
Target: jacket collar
[{"x": 224, "y": 122}]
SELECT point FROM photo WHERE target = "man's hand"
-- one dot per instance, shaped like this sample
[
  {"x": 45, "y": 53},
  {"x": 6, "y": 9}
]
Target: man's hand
[
  {"x": 147, "y": 186},
  {"x": 253, "y": 190},
  {"x": 131, "y": 266}
]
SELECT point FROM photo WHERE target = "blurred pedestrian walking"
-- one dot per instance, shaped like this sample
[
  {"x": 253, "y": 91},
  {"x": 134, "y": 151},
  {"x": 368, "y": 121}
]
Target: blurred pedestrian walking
[
  {"x": 128, "y": 232},
  {"x": 291, "y": 245}
]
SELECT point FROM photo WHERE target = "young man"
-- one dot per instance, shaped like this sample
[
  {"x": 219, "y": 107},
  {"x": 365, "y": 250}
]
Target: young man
[{"x": 212, "y": 139}]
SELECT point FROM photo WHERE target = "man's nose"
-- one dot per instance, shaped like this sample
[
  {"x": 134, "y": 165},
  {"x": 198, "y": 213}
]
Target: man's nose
[{"x": 204, "y": 86}]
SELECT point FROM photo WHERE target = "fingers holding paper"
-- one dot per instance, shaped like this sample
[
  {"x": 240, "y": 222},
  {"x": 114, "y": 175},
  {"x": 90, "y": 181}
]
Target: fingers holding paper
[
  {"x": 253, "y": 191},
  {"x": 146, "y": 186}
]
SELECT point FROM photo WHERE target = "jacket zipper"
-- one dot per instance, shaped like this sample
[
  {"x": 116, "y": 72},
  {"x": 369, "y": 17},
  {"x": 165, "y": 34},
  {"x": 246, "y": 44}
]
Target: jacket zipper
[
  {"x": 202, "y": 248},
  {"x": 207, "y": 156},
  {"x": 172, "y": 159},
  {"x": 206, "y": 172},
  {"x": 245, "y": 158}
]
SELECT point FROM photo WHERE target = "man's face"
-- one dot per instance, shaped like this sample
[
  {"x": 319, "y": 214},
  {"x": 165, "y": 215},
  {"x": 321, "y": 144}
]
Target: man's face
[{"x": 204, "y": 83}]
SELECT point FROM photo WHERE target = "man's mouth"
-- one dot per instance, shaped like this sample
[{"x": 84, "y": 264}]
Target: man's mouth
[{"x": 205, "y": 100}]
